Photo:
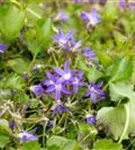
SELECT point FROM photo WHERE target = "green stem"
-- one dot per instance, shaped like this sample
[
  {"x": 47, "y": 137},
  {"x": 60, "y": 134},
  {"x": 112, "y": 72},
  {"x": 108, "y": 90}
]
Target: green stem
[
  {"x": 16, "y": 3},
  {"x": 33, "y": 13},
  {"x": 63, "y": 116},
  {"x": 32, "y": 62},
  {"x": 126, "y": 106},
  {"x": 44, "y": 134},
  {"x": 56, "y": 62},
  {"x": 85, "y": 138}
]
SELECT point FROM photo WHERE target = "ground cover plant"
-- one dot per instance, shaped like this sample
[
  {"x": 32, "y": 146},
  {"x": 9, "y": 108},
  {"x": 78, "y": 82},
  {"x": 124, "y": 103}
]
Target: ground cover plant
[{"x": 67, "y": 75}]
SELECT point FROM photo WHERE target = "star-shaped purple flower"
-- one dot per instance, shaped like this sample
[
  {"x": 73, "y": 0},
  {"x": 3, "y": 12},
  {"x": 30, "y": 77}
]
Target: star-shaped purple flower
[
  {"x": 95, "y": 92},
  {"x": 122, "y": 4},
  {"x": 91, "y": 18},
  {"x": 53, "y": 86},
  {"x": 62, "y": 15},
  {"x": 38, "y": 90},
  {"x": 76, "y": 82},
  {"x": 88, "y": 53},
  {"x": 59, "y": 108},
  {"x": 27, "y": 136},
  {"x": 91, "y": 119},
  {"x": 75, "y": 45},
  {"x": 63, "y": 39},
  {"x": 2, "y": 48},
  {"x": 66, "y": 74}
]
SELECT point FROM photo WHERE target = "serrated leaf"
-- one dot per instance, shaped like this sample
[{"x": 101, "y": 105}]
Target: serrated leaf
[
  {"x": 11, "y": 21},
  {"x": 107, "y": 144}
]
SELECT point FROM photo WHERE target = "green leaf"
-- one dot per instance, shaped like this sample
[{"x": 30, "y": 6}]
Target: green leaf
[
  {"x": 91, "y": 73},
  {"x": 19, "y": 65},
  {"x": 31, "y": 145},
  {"x": 119, "y": 121},
  {"x": 122, "y": 70},
  {"x": 110, "y": 12},
  {"x": 119, "y": 38},
  {"x": 39, "y": 37},
  {"x": 4, "y": 140},
  {"x": 107, "y": 144},
  {"x": 104, "y": 58},
  {"x": 4, "y": 126},
  {"x": 62, "y": 143},
  {"x": 11, "y": 22},
  {"x": 120, "y": 90},
  {"x": 4, "y": 133},
  {"x": 12, "y": 81}
]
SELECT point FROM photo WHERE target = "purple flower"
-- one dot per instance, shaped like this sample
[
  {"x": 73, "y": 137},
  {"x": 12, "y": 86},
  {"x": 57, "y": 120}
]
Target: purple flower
[
  {"x": 12, "y": 125},
  {"x": 91, "y": 1},
  {"x": 62, "y": 39},
  {"x": 2, "y": 48},
  {"x": 66, "y": 74},
  {"x": 53, "y": 86},
  {"x": 62, "y": 15},
  {"x": 95, "y": 92},
  {"x": 122, "y": 4},
  {"x": 37, "y": 89},
  {"x": 91, "y": 119},
  {"x": 75, "y": 45},
  {"x": 27, "y": 136},
  {"x": 76, "y": 82},
  {"x": 78, "y": 1},
  {"x": 91, "y": 18},
  {"x": 88, "y": 53},
  {"x": 131, "y": 5},
  {"x": 51, "y": 79},
  {"x": 59, "y": 108}
]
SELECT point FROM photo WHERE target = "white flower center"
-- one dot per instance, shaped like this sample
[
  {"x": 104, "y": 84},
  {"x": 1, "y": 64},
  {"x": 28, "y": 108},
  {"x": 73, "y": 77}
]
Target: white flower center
[
  {"x": 62, "y": 41},
  {"x": 58, "y": 86},
  {"x": 93, "y": 89},
  {"x": 67, "y": 76}
]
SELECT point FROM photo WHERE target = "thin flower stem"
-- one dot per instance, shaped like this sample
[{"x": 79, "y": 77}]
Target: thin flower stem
[
  {"x": 126, "y": 106},
  {"x": 85, "y": 138},
  {"x": 32, "y": 62},
  {"x": 63, "y": 116},
  {"x": 44, "y": 134},
  {"x": 16, "y": 3},
  {"x": 56, "y": 62},
  {"x": 33, "y": 13}
]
